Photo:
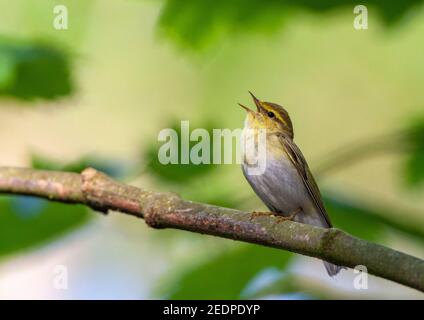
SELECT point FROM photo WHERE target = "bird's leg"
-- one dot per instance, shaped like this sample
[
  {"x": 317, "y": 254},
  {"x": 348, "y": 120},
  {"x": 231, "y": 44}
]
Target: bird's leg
[{"x": 289, "y": 217}]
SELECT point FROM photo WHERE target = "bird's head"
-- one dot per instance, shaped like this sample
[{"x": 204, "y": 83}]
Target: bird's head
[{"x": 269, "y": 116}]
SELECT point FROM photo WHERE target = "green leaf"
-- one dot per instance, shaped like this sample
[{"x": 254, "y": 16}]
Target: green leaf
[
  {"x": 7, "y": 70},
  {"x": 199, "y": 24},
  {"x": 414, "y": 171},
  {"x": 414, "y": 165},
  {"x": 33, "y": 70},
  {"x": 44, "y": 163},
  {"x": 27, "y": 222},
  {"x": 228, "y": 274},
  {"x": 216, "y": 194}
]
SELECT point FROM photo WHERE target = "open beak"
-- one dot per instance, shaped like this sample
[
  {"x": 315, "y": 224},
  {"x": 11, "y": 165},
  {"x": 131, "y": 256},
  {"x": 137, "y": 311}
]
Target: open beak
[
  {"x": 257, "y": 102},
  {"x": 245, "y": 108}
]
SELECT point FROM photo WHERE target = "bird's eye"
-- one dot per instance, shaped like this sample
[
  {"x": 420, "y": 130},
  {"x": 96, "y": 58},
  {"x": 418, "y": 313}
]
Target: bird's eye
[{"x": 271, "y": 114}]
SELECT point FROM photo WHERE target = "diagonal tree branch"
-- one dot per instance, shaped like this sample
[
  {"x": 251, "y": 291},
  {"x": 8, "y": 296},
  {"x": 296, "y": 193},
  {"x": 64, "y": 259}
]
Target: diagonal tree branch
[{"x": 168, "y": 210}]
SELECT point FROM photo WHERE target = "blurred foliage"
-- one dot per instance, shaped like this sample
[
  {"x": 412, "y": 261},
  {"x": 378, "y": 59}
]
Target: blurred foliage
[
  {"x": 112, "y": 168},
  {"x": 214, "y": 191},
  {"x": 270, "y": 281},
  {"x": 177, "y": 173},
  {"x": 33, "y": 70},
  {"x": 354, "y": 219},
  {"x": 27, "y": 222},
  {"x": 368, "y": 223},
  {"x": 227, "y": 275},
  {"x": 198, "y": 24},
  {"x": 414, "y": 166}
]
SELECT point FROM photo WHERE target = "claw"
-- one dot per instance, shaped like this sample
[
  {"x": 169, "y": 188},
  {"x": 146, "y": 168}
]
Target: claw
[
  {"x": 290, "y": 217},
  {"x": 279, "y": 217}
]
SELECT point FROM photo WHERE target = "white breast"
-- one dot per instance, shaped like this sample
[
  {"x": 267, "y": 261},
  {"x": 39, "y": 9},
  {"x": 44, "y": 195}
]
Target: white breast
[{"x": 279, "y": 186}]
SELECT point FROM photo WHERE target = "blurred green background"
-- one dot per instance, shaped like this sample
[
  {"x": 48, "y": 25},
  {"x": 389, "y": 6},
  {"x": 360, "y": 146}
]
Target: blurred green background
[{"x": 99, "y": 92}]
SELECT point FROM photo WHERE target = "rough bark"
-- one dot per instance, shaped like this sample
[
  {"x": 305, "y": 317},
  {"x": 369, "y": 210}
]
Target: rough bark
[{"x": 168, "y": 210}]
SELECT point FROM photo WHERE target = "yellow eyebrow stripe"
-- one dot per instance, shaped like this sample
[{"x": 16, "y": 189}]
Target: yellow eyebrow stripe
[
  {"x": 277, "y": 114},
  {"x": 279, "y": 117}
]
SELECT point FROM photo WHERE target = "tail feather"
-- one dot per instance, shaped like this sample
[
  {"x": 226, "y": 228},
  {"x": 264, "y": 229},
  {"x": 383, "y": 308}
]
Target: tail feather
[{"x": 332, "y": 269}]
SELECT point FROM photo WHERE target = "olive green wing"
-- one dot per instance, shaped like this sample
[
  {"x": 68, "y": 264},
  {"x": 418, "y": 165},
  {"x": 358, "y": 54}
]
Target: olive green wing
[{"x": 298, "y": 160}]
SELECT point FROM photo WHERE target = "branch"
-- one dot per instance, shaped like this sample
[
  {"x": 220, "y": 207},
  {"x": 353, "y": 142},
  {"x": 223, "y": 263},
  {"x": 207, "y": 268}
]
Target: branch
[{"x": 168, "y": 210}]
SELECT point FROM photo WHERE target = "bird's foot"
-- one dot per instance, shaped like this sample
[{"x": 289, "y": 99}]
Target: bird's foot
[
  {"x": 290, "y": 217},
  {"x": 256, "y": 214},
  {"x": 278, "y": 216}
]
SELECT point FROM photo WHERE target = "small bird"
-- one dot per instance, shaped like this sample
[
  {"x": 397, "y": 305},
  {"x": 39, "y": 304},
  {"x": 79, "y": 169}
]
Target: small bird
[{"x": 286, "y": 185}]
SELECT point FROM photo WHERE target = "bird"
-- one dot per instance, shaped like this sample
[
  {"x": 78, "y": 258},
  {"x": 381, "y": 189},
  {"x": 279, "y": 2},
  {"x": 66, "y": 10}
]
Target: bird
[{"x": 285, "y": 185}]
